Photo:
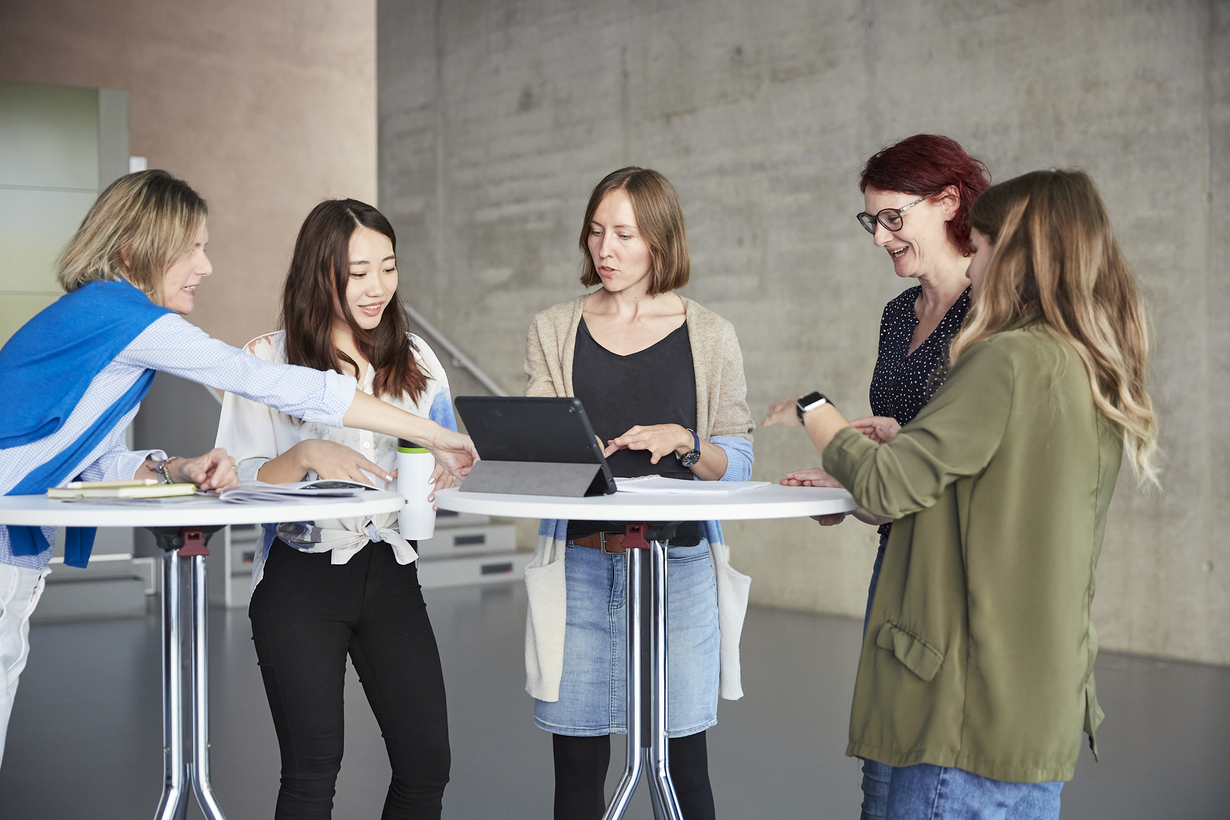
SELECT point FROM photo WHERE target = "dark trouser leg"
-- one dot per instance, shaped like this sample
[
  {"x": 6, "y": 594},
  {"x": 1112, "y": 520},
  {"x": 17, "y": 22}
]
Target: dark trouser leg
[
  {"x": 580, "y": 776},
  {"x": 689, "y": 764},
  {"x": 394, "y": 651},
  {"x": 301, "y": 639}
]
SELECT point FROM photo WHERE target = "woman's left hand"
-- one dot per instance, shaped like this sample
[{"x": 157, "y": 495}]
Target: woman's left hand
[
  {"x": 810, "y": 477},
  {"x": 212, "y": 471},
  {"x": 880, "y": 429},
  {"x": 659, "y": 439},
  {"x": 783, "y": 412}
]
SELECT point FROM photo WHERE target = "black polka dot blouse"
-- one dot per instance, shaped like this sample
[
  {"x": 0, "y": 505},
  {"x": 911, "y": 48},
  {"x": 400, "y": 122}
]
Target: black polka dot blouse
[{"x": 904, "y": 382}]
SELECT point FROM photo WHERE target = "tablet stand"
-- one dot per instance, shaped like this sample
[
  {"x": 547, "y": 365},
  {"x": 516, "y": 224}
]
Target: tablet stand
[{"x": 534, "y": 478}]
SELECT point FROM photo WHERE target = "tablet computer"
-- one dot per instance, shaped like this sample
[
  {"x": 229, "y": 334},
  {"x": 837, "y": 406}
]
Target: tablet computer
[{"x": 533, "y": 446}]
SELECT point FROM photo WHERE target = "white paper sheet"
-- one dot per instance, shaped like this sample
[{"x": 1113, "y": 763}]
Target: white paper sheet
[{"x": 660, "y": 484}]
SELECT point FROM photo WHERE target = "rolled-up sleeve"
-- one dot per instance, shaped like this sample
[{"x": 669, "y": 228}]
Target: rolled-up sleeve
[{"x": 739, "y": 457}]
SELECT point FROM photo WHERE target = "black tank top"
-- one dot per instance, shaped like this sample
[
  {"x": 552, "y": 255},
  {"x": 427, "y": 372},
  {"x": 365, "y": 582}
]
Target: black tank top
[{"x": 656, "y": 385}]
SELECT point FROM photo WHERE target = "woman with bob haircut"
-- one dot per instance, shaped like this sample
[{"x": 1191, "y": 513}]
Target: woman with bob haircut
[
  {"x": 976, "y": 674},
  {"x": 917, "y": 196},
  {"x": 661, "y": 379},
  {"x": 326, "y": 589},
  {"x": 75, "y": 374}
]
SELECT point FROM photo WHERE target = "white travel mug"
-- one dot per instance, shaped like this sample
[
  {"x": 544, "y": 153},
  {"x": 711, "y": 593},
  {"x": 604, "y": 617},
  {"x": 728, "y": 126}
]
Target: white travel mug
[{"x": 414, "y": 467}]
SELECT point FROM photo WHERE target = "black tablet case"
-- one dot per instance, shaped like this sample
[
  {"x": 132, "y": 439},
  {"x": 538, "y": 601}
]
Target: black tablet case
[{"x": 533, "y": 446}]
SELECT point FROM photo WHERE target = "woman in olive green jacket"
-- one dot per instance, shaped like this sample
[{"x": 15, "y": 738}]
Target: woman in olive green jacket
[{"x": 976, "y": 675}]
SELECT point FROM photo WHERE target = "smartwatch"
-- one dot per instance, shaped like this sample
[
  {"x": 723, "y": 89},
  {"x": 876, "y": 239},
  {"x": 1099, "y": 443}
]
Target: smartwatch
[
  {"x": 692, "y": 456},
  {"x": 810, "y": 402}
]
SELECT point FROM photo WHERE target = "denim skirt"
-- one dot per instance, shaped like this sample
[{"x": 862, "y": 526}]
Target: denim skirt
[{"x": 593, "y": 689}]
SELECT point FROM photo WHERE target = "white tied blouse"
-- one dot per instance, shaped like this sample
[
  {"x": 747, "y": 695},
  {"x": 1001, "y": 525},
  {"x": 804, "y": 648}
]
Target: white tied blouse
[{"x": 255, "y": 434}]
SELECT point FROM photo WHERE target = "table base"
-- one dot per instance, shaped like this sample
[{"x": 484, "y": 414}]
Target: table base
[
  {"x": 647, "y": 748},
  {"x": 186, "y": 542}
]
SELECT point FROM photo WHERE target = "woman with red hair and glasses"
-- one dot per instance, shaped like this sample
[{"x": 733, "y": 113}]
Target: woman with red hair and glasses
[{"x": 918, "y": 194}]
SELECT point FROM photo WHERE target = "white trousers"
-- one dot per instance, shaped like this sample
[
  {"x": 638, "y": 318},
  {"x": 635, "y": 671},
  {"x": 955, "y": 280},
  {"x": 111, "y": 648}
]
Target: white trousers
[{"x": 20, "y": 589}]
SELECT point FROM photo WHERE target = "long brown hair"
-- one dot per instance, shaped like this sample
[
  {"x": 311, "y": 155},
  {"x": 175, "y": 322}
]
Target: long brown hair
[
  {"x": 316, "y": 281},
  {"x": 659, "y": 218},
  {"x": 134, "y": 231},
  {"x": 1054, "y": 254}
]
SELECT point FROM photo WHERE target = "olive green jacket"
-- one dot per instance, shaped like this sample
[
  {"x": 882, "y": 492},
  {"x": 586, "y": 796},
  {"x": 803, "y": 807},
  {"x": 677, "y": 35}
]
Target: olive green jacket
[{"x": 979, "y": 650}]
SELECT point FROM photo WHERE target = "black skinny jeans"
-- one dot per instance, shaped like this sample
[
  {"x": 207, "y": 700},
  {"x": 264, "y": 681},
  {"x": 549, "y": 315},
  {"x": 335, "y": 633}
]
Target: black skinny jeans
[{"x": 307, "y": 615}]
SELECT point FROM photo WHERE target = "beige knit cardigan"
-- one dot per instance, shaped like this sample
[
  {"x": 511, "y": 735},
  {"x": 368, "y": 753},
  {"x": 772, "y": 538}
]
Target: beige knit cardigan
[{"x": 721, "y": 410}]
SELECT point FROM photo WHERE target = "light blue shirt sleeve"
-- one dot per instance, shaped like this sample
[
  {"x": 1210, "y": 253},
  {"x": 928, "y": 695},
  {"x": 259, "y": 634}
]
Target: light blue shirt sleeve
[
  {"x": 174, "y": 346},
  {"x": 739, "y": 457}
]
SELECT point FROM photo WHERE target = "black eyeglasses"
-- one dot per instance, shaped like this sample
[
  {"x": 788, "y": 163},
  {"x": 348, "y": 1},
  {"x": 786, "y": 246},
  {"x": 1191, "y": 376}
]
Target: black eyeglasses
[{"x": 889, "y": 217}]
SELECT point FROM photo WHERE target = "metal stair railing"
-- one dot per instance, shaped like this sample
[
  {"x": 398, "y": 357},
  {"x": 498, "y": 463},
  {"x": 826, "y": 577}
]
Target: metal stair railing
[{"x": 459, "y": 359}]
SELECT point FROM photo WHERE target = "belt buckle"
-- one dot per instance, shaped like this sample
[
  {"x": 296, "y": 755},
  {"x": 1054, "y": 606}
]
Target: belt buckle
[{"x": 602, "y": 545}]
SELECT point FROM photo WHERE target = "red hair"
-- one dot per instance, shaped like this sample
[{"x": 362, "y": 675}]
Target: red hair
[{"x": 926, "y": 164}]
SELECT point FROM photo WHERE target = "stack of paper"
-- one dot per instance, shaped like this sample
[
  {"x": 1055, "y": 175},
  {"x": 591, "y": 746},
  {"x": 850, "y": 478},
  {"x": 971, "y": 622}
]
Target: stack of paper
[
  {"x": 660, "y": 484},
  {"x": 259, "y": 492}
]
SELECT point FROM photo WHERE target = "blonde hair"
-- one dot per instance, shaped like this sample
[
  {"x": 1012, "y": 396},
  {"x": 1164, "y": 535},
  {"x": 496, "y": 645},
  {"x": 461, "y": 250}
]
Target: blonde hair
[
  {"x": 659, "y": 218},
  {"x": 1054, "y": 254},
  {"x": 134, "y": 231}
]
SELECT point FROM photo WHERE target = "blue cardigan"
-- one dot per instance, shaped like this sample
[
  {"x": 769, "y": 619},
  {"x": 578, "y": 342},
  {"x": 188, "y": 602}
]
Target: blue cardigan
[{"x": 46, "y": 368}]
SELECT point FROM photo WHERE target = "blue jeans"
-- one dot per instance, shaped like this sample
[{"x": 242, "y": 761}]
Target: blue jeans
[
  {"x": 876, "y": 776},
  {"x": 926, "y": 792}
]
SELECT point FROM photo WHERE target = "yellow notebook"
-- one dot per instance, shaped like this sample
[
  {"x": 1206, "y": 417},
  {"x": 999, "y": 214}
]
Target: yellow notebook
[{"x": 138, "y": 491}]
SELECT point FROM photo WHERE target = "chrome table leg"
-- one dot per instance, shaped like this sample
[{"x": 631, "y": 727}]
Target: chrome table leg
[
  {"x": 633, "y": 590},
  {"x": 666, "y": 806},
  {"x": 647, "y": 741},
  {"x": 186, "y": 542},
  {"x": 199, "y": 769},
  {"x": 172, "y": 805}
]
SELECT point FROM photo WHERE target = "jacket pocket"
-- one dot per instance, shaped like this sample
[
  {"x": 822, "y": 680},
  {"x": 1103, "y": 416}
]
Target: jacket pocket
[
  {"x": 913, "y": 652},
  {"x": 1093, "y": 715}
]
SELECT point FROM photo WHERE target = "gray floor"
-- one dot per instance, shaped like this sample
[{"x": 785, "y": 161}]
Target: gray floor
[{"x": 85, "y": 735}]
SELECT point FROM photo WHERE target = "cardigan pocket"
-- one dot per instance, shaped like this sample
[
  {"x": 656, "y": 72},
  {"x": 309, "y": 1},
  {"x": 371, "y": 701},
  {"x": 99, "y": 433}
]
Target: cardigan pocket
[
  {"x": 913, "y": 652},
  {"x": 546, "y": 617},
  {"x": 732, "y": 593}
]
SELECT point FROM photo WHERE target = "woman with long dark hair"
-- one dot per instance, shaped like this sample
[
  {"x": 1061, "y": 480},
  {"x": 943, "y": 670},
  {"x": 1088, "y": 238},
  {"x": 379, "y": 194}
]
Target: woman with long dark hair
[
  {"x": 326, "y": 589},
  {"x": 75, "y": 374}
]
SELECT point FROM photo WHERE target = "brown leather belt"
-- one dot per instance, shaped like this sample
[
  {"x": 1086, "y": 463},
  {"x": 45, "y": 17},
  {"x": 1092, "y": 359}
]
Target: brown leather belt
[{"x": 611, "y": 543}]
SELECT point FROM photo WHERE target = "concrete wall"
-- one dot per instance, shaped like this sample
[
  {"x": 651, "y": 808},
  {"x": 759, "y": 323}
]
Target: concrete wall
[
  {"x": 264, "y": 106},
  {"x": 497, "y": 117}
]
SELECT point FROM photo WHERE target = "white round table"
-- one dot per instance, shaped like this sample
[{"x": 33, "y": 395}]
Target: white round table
[
  {"x": 198, "y": 511},
  {"x": 182, "y": 527},
  {"x": 652, "y": 518}
]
